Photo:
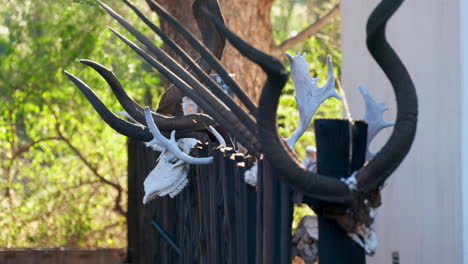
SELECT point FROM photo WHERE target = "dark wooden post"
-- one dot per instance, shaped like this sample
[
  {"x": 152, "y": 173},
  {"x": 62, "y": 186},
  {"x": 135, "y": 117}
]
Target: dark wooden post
[
  {"x": 276, "y": 214},
  {"x": 148, "y": 225},
  {"x": 141, "y": 237},
  {"x": 341, "y": 149}
]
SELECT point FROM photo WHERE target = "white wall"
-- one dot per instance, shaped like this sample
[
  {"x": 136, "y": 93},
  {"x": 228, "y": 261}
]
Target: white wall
[
  {"x": 464, "y": 122},
  {"x": 421, "y": 216}
]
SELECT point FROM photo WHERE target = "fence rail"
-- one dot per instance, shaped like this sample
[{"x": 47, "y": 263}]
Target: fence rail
[{"x": 62, "y": 255}]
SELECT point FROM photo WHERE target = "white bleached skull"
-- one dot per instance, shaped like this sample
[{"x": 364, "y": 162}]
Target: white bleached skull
[{"x": 170, "y": 174}]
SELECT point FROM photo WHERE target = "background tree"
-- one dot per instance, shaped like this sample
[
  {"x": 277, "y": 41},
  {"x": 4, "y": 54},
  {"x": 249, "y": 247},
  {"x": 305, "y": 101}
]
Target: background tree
[{"x": 63, "y": 171}]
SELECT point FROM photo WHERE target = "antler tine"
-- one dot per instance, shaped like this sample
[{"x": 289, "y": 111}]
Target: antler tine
[
  {"x": 170, "y": 144},
  {"x": 202, "y": 50},
  {"x": 218, "y": 136},
  {"x": 373, "y": 117},
  {"x": 185, "y": 75},
  {"x": 221, "y": 114},
  {"x": 397, "y": 147},
  {"x": 118, "y": 124},
  {"x": 309, "y": 96},
  {"x": 187, "y": 123}
]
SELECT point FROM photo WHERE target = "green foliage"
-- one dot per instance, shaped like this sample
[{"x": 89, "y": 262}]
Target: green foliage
[{"x": 63, "y": 170}]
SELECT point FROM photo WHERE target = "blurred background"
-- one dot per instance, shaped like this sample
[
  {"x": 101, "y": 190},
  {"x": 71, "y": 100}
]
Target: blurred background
[{"x": 63, "y": 170}]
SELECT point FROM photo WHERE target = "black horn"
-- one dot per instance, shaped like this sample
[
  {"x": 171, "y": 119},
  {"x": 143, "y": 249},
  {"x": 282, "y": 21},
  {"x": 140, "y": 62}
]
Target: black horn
[
  {"x": 274, "y": 148},
  {"x": 195, "y": 122},
  {"x": 397, "y": 147}
]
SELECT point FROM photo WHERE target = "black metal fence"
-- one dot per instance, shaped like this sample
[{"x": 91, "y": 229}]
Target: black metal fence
[{"x": 217, "y": 218}]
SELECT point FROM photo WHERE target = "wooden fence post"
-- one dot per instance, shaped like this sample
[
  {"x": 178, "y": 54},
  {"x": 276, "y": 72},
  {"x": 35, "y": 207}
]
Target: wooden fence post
[
  {"x": 341, "y": 147},
  {"x": 276, "y": 213},
  {"x": 141, "y": 237}
]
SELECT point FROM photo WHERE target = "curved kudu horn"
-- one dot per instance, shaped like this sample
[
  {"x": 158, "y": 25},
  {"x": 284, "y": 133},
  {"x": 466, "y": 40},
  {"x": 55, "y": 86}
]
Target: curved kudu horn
[
  {"x": 213, "y": 62},
  {"x": 172, "y": 94},
  {"x": 217, "y": 110},
  {"x": 202, "y": 50},
  {"x": 174, "y": 66},
  {"x": 274, "y": 148},
  {"x": 186, "y": 123},
  {"x": 118, "y": 124},
  {"x": 212, "y": 39},
  {"x": 397, "y": 147},
  {"x": 191, "y": 86},
  {"x": 165, "y": 58}
]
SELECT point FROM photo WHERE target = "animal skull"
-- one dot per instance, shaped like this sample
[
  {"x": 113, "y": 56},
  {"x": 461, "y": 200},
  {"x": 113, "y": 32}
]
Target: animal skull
[{"x": 170, "y": 174}]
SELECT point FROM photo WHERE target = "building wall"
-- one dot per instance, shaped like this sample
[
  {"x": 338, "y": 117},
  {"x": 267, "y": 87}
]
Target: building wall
[
  {"x": 421, "y": 216},
  {"x": 464, "y": 122}
]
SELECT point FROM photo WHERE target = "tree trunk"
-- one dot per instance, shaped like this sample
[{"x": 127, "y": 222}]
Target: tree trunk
[{"x": 250, "y": 19}]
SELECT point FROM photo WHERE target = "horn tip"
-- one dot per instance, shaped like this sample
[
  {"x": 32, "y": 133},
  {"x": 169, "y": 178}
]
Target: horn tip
[
  {"x": 86, "y": 61},
  {"x": 68, "y": 74}
]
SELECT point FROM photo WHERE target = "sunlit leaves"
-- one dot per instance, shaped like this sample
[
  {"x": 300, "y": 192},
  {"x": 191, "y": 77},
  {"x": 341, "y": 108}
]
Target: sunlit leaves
[{"x": 49, "y": 195}]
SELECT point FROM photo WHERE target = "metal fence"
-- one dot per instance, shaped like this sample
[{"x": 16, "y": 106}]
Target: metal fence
[{"x": 218, "y": 218}]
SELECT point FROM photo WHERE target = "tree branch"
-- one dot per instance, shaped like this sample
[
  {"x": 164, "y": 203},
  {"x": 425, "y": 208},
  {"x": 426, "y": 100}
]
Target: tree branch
[
  {"x": 16, "y": 154},
  {"x": 310, "y": 30},
  {"x": 117, "y": 207},
  {"x": 100, "y": 232}
]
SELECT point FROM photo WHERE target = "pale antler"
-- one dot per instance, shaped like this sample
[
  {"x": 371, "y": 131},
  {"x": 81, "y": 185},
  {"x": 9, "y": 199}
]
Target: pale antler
[
  {"x": 170, "y": 144},
  {"x": 373, "y": 117},
  {"x": 309, "y": 96},
  {"x": 218, "y": 136}
]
